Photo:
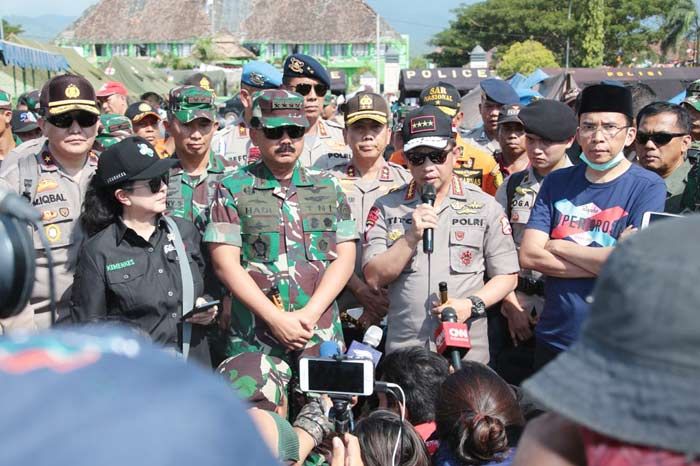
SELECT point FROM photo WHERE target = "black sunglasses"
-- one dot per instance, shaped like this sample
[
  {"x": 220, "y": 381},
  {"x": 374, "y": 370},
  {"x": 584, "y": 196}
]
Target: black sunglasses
[
  {"x": 294, "y": 132},
  {"x": 304, "y": 89},
  {"x": 155, "y": 183},
  {"x": 65, "y": 120},
  {"x": 438, "y": 157},
  {"x": 659, "y": 139}
]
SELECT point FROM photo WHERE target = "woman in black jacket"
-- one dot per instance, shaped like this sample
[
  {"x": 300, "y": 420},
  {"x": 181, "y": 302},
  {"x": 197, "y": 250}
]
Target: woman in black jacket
[{"x": 129, "y": 267}]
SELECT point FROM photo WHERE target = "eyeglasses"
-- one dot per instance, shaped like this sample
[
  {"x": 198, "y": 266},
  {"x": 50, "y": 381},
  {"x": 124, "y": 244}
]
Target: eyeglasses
[
  {"x": 304, "y": 89},
  {"x": 84, "y": 119},
  {"x": 659, "y": 139},
  {"x": 609, "y": 131},
  {"x": 294, "y": 132},
  {"x": 155, "y": 183},
  {"x": 438, "y": 157}
]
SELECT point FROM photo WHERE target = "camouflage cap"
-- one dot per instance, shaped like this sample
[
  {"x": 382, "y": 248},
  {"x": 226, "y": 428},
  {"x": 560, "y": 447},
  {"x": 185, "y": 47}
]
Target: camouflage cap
[
  {"x": 329, "y": 99},
  {"x": 114, "y": 128},
  {"x": 30, "y": 99},
  {"x": 273, "y": 108},
  {"x": 190, "y": 102},
  {"x": 258, "y": 378},
  {"x": 692, "y": 95},
  {"x": 5, "y": 100}
]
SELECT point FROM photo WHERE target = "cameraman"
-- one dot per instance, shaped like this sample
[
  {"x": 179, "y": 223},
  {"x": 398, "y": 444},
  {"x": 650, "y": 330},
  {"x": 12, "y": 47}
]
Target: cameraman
[{"x": 420, "y": 373}]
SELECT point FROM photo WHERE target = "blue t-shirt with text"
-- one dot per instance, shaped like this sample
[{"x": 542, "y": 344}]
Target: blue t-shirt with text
[{"x": 572, "y": 208}]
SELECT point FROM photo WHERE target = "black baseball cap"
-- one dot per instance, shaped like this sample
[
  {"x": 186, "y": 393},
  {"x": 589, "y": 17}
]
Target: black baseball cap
[
  {"x": 443, "y": 95},
  {"x": 23, "y": 121},
  {"x": 131, "y": 159},
  {"x": 509, "y": 114},
  {"x": 139, "y": 110},
  {"x": 66, "y": 93},
  {"x": 549, "y": 119},
  {"x": 427, "y": 126}
]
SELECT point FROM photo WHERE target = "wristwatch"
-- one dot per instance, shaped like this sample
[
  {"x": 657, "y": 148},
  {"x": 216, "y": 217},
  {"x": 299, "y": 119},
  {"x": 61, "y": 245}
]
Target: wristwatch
[{"x": 478, "y": 307}]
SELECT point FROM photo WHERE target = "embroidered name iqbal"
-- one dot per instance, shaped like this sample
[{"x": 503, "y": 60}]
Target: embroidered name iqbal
[{"x": 120, "y": 265}]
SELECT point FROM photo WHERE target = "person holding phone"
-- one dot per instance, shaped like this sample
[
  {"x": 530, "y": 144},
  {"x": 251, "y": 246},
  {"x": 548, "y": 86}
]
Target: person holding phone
[{"x": 129, "y": 267}]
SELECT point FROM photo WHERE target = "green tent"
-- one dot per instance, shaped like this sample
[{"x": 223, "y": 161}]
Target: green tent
[{"x": 138, "y": 75}]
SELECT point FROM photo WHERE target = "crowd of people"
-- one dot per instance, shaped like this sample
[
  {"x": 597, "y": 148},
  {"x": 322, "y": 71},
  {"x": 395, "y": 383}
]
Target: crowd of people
[{"x": 243, "y": 238}]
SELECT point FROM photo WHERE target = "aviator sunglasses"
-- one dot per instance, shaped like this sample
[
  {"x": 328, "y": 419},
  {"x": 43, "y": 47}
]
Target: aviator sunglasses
[
  {"x": 293, "y": 132},
  {"x": 304, "y": 89},
  {"x": 659, "y": 139},
  {"x": 438, "y": 157},
  {"x": 65, "y": 120}
]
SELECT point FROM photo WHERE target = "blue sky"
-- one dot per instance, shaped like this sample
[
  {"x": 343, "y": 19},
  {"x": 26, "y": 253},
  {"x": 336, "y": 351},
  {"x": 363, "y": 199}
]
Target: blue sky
[{"x": 418, "y": 18}]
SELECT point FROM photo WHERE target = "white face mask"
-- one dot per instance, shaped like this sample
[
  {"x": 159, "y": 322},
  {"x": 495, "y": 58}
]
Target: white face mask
[{"x": 601, "y": 167}]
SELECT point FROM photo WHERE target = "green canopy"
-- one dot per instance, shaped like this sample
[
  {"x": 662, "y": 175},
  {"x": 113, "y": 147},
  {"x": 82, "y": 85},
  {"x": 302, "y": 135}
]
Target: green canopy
[{"x": 138, "y": 75}]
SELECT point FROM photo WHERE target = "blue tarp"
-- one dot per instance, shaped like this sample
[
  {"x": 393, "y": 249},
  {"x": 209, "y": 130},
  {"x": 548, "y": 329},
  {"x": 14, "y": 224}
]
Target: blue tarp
[{"x": 27, "y": 57}]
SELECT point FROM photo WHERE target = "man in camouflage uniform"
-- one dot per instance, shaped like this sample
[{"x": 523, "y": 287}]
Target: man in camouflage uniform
[
  {"x": 692, "y": 104},
  {"x": 495, "y": 93},
  {"x": 474, "y": 164},
  {"x": 365, "y": 178},
  {"x": 277, "y": 223},
  {"x": 263, "y": 381},
  {"x": 324, "y": 145},
  {"x": 54, "y": 177},
  {"x": 233, "y": 143},
  {"x": 472, "y": 239},
  {"x": 192, "y": 123},
  {"x": 7, "y": 140},
  {"x": 112, "y": 129}
]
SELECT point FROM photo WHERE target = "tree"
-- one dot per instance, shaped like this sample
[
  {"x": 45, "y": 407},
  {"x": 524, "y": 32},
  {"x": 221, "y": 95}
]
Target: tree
[
  {"x": 681, "y": 24},
  {"x": 525, "y": 57},
  {"x": 204, "y": 50},
  {"x": 11, "y": 29},
  {"x": 630, "y": 27},
  {"x": 593, "y": 40},
  {"x": 418, "y": 62}
]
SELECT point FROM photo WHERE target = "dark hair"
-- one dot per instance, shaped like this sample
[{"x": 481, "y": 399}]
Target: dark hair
[
  {"x": 100, "y": 208},
  {"x": 655, "y": 108},
  {"x": 642, "y": 95},
  {"x": 420, "y": 373},
  {"x": 473, "y": 410},
  {"x": 378, "y": 433}
]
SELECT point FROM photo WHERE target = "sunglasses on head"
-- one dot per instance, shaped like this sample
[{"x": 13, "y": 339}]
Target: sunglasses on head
[
  {"x": 155, "y": 183},
  {"x": 438, "y": 157},
  {"x": 292, "y": 131},
  {"x": 659, "y": 139},
  {"x": 304, "y": 89},
  {"x": 65, "y": 120}
]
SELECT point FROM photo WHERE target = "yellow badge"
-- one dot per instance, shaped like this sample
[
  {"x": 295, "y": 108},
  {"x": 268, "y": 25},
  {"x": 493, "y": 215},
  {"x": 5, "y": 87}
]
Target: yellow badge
[
  {"x": 144, "y": 108},
  {"x": 48, "y": 215},
  {"x": 463, "y": 208},
  {"x": 523, "y": 191},
  {"x": 46, "y": 185},
  {"x": 395, "y": 234},
  {"x": 296, "y": 65},
  {"x": 366, "y": 103},
  {"x": 475, "y": 206},
  {"x": 53, "y": 233},
  {"x": 72, "y": 91},
  {"x": 205, "y": 84}
]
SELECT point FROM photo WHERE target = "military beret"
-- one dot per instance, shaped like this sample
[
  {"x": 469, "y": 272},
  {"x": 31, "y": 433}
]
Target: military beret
[
  {"x": 549, "y": 119},
  {"x": 499, "y": 91},
  {"x": 606, "y": 98},
  {"x": 300, "y": 65},
  {"x": 261, "y": 75}
]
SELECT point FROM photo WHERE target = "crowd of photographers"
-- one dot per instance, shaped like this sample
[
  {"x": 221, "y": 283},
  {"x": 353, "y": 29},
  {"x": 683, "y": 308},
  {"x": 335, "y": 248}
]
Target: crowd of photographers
[{"x": 498, "y": 295}]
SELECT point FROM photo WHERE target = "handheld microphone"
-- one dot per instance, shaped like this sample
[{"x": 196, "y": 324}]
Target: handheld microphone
[
  {"x": 367, "y": 349},
  {"x": 428, "y": 197},
  {"x": 18, "y": 207},
  {"x": 452, "y": 338}
]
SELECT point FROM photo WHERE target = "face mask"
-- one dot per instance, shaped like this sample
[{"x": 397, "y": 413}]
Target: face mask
[{"x": 601, "y": 167}]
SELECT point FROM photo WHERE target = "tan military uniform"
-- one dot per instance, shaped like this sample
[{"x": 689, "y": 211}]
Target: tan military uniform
[
  {"x": 362, "y": 194},
  {"x": 521, "y": 206},
  {"x": 473, "y": 237},
  {"x": 233, "y": 145},
  {"x": 59, "y": 197},
  {"x": 328, "y": 148}
]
